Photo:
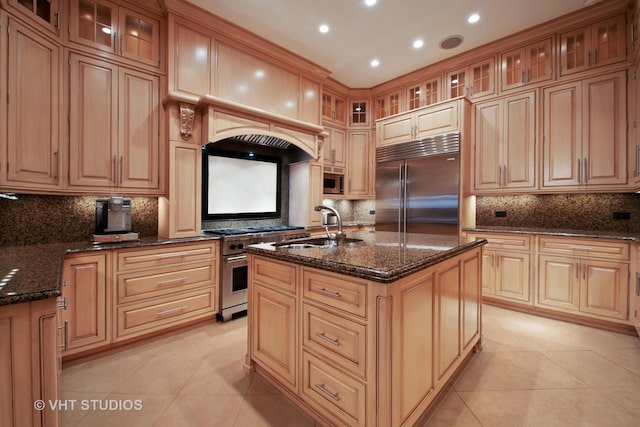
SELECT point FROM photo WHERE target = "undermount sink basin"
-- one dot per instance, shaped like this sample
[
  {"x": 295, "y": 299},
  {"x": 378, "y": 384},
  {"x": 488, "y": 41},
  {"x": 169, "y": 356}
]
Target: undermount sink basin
[{"x": 316, "y": 242}]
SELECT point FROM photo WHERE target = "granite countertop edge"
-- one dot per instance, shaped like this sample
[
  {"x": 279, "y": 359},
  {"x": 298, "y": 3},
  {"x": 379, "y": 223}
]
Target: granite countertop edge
[
  {"x": 377, "y": 275},
  {"x": 34, "y": 272},
  {"x": 618, "y": 235}
]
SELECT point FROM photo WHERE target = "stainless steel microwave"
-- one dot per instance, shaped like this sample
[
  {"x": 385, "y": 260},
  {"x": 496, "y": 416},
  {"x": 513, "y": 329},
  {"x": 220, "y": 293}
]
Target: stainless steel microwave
[{"x": 333, "y": 183}]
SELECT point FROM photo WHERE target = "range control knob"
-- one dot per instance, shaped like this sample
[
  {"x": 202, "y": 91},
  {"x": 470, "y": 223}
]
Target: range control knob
[
  {"x": 232, "y": 246},
  {"x": 240, "y": 246}
]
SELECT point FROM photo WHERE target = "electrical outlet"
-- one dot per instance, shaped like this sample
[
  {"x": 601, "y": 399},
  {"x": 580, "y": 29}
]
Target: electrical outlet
[
  {"x": 501, "y": 214},
  {"x": 372, "y": 212},
  {"x": 621, "y": 215}
]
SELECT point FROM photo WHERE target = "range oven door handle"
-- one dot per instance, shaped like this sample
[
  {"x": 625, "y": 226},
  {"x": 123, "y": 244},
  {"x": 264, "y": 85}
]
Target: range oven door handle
[{"x": 235, "y": 258}]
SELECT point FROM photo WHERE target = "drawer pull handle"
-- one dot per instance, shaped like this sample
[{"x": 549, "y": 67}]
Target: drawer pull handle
[
  {"x": 173, "y": 310},
  {"x": 335, "y": 342},
  {"x": 172, "y": 281},
  {"x": 327, "y": 392},
  {"x": 326, "y": 292}
]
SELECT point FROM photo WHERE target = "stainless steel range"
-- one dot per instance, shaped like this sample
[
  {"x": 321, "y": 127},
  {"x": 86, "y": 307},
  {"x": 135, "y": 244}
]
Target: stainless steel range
[{"x": 234, "y": 273}]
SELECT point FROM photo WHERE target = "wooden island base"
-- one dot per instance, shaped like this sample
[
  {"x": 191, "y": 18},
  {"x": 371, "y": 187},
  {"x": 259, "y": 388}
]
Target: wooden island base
[{"x": 358, "y": 352}]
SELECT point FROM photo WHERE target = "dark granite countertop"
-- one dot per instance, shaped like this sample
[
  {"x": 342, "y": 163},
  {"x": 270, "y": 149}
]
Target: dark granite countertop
[
  {"x": 561, "y": 232},
  {"x": 382, "y": 256},
  {"x": 33, "y": 272}
]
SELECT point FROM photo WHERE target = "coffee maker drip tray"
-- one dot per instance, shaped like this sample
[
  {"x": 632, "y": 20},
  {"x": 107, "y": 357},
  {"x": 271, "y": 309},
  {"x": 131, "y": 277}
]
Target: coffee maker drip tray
[{"x": 115, "y": 237}]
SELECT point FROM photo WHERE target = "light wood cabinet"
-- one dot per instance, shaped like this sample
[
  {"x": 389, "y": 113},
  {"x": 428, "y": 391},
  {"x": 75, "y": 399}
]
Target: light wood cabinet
[
  {"x": 505, "y": 135},
  {"x": 346, "y": 349},
  {"x": 634, "y": 128},
  {"x": 595, "y": 45},
  {"x": 334, "y": 156},
  {"x": 585, "y": 134},
  {"x": 526, "y": 65},
  {"x": 45, "y": 13},
  {"x": 305, "y": 192},
  {"x": 387, "y": 105},
  {"x": 424, "y": 93},
  {"x": 359, "y": 112},
  {"x": 334, "y": 108},
  {"x": 190, "y": 59},
  {"x": 582, "y": 275},
  {"x": 86, "y": 302},
  {"x": 151, "y": 299},
  {"x": 360, "y": 164},
  {"x": 506, "y": 266},
  {"x": 121, "y": 152},
  {"x": 473, "y": 81},
  {"x": 427, "y": 121},
  {"x": 109, "y": 27},
  {"x": 29, "y": 363},
  {"x": 636, "y": 294},
  {"x": 31, "y": 147}
]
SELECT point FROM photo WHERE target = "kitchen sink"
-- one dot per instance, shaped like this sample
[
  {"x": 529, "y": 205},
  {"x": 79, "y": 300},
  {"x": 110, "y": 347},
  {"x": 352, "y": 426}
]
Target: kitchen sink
[{"x": 316, "y": 242}]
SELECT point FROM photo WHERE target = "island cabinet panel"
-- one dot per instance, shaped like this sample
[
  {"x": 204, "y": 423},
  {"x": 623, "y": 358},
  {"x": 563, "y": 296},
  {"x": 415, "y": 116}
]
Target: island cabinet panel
[
  {"x": 471, "y": 300},
  {"x": 412, "y": 344},
  {"x": 447, "y": 319}
]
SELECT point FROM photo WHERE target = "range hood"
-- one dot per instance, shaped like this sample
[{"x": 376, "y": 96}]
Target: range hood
[{"x": 264, "y": 140}]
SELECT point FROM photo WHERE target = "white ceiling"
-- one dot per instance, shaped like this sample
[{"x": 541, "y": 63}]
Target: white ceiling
[{"x": 386, "y": 31}]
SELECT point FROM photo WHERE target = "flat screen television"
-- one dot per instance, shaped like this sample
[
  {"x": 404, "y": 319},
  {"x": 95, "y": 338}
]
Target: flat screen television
[{"x": 239, "y": 185}]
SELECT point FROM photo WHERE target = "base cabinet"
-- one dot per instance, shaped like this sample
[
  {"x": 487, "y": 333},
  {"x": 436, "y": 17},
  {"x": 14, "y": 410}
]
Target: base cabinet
[
  {"x": 345, "y": 349},
  {"x": 29, "y": 363}
]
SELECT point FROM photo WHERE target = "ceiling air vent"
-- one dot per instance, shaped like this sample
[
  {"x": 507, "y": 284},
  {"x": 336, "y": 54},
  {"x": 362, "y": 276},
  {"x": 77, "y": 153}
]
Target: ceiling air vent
[{"x": 451, "y": 42}]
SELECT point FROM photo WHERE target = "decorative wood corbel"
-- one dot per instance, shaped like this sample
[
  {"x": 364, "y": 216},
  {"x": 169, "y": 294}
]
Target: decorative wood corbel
[
  {"x": 187, "y": 115},
  {"x": 320, "y": 145}
]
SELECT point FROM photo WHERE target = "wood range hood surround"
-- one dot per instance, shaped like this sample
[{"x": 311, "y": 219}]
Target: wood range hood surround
[{"x": 220, "y": 119}]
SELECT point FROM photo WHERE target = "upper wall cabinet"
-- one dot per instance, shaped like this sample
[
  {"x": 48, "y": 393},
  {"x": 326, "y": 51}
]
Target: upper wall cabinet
[
  {"x": 115, "y": 29},
  {"x": 45, "y": 13},
  {"x": 473, "y": 81},
  {"x": 387, "y": 105},
  {"x": 526, "y": 65},
  {"x": 334, "y": 108},
  {"x": 425, "y": 93},
  {"x": 31, "y": 146},
  {"x": 592, "y": 46},
  {"x": 359, "y": 112},
  {"x": 585, "y": 137},
  {"x": 190, "y": 60}
]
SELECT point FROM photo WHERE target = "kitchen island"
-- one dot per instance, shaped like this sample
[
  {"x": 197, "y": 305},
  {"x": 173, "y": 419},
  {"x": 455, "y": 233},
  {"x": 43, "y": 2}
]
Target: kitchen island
[{"x": 365, "y": 333}]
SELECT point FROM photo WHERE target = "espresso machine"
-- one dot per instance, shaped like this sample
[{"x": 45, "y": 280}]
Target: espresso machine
[{"x": 113, "y": 220}]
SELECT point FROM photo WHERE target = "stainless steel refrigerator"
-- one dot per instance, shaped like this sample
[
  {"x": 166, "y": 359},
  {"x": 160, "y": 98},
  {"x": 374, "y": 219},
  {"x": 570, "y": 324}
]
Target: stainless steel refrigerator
[{"x": 417, "y": 186}]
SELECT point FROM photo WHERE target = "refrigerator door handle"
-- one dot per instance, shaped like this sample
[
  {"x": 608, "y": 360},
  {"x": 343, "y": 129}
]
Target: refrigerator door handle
[{"x": 402, "y": 214}]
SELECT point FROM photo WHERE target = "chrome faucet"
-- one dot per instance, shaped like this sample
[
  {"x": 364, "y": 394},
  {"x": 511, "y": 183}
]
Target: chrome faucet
[{"x": 339, "y": 235}]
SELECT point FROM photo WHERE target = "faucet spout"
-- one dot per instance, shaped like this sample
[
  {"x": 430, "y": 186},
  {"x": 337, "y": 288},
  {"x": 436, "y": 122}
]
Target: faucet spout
[{"x": 340, "y": 235}]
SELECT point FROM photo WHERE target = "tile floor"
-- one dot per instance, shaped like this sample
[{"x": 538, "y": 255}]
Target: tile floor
[{"x": 532, "y": 372}]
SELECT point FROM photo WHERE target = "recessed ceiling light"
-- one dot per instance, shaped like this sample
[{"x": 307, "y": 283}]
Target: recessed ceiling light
[
  {"x": 473, "y": 18},
  {"x": 370, "y": 2},
  {"x": 375, "y": 62},
  {"x": 324, "y": 28},
  {"x": 418, "y": 43}
]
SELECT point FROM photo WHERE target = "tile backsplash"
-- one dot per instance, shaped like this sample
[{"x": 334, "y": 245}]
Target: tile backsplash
[
  {"x": 49, "y": 219},
  {"x": 593, "y": 211}
]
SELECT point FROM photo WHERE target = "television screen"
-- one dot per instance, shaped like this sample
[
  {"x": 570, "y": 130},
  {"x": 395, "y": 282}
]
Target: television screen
[{"x": 240, "y": 185}]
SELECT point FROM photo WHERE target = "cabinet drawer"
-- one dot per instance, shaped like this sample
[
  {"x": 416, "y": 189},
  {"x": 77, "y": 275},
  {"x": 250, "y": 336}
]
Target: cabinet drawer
[
  {"x": 274, "y": 274},
  {"x": 330, "y": 390},
  {"x": 335, "y": 291},
  {"x": 585, "y": 248},
  {"x": 504, "y": 241},
  {"x": 335, "y": 338},
  {"x": 134, "y": 259},
  {"x": 139, "y": 285},
  {"x": 146, "y": 315}
]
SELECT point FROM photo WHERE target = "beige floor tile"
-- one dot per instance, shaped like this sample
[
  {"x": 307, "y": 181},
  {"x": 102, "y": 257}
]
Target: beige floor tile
[
  {"x": 549, "y": 408},
  {"x": 593, "y": 369},
  {"x": 452, "y": 412},
  {"x": 102, "y": 374},
  {"x": 625, "y": 358},
  {"x": 627, "y": 397},
  {"x": 214, "y": 377},
  {"x": 517, "y": 370},
  {"x": 72, "y": 412},
  {"x": 260, "y": 386},
  {"x": 139, "y": 410},
  {"x": 162, "y": 374},
  {"x": 271, "y": 410},
  {"x": 201, "y": 411}
]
